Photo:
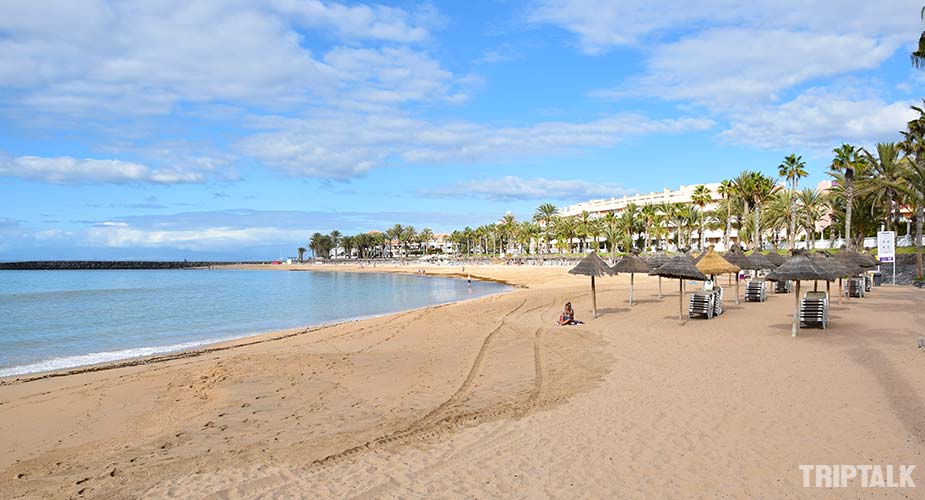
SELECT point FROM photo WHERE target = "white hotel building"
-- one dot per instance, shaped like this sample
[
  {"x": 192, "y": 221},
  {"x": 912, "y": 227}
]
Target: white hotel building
[{"x": 681, "y": 195}]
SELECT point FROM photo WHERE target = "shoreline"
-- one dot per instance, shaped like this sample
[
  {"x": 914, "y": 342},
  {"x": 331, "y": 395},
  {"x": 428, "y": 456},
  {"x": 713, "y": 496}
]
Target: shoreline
[{"x": 211, "y": 346}]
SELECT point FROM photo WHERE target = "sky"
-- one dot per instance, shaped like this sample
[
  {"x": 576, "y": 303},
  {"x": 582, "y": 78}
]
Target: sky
[{"x": 234, "y": 129}]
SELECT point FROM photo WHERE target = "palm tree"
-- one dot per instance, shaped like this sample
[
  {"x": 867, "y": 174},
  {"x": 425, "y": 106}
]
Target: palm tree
[
  {"x": 566, "y": 231},
  {"x": 629, "y": 223},
  {"x": 348, "y": 242},
  {"x": 649, "y": 213},
  {"x": 777, "y": 214},
  {"x": 793, "y": 169},
  {"x": 913, "y": 145},
  {"x": 846, "y": 162},
  {"x": 425, "y": 237},
  {"x": 545, "y": 214},
  {"x": 918, "y": 57},
  {"x": 395, "y": 234},
  {"x": 508, "y": 227},
  {"x": 320, "y": 245},
  {"x": 763, "y": 188},
  {"x": 301, "y": 251},
  {"x": 744, "y": 186},
  {"x": 584, "y": 229},
  {"x": 812, "y": 208},
  {"x": 726, "y": 190},
  {"x": 335, "y": 240},
  {"x": 700, "y": 197},
  {"x": 884, "y": 181}
]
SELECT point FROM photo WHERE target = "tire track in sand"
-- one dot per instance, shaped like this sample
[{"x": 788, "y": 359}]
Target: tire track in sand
[{"x": 426, "y": 422}]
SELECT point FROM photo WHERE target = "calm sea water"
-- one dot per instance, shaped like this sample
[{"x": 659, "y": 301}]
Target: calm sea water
[{"x": 59, "y": 319}]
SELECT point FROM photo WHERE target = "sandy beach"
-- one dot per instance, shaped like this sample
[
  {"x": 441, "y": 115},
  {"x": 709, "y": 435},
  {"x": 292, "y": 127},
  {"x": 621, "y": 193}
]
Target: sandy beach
[{"x": 487, "y": 398}]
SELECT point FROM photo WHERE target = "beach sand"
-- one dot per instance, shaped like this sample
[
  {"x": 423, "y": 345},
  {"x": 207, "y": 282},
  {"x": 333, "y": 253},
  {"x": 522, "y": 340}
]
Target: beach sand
[{"x": 487, "y": 398}]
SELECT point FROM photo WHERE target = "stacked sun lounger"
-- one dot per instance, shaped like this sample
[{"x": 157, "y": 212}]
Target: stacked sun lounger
[
  {"x": 717, "y": 301},
  {"x": 855, "y": 287},
  {"x": 756, "y": 290},
  {"x": 814, "y": 310},
  {"x": 783, "y": 286},
  {"x": 702, "y": 304},
  {"x": 868, "y": 282}
]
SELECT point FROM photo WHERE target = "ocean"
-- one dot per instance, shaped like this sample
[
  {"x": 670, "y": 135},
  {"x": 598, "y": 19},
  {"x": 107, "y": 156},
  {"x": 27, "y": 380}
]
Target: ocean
[{"x": 51, "y": 320}]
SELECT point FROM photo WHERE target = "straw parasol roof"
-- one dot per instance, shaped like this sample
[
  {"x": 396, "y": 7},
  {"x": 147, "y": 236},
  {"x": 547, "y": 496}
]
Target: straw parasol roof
[
  {"x": 712, "y": 263},
  {"x": 631, "y": 264},
  {"x": 861, "y": 259},
  {"x": 681, "y": 266},
  {"x": 849, "y": 264},
  {"x": 737, "y": 257},
  {"x": 657, "y": 259},
  {"x": 775, "y": 257},
  {"x": 836, "y": 267},
  {"x": 801, "y": 267},
  {"x": 761, "y": 261},
  {"x": 592, "y": 265}
]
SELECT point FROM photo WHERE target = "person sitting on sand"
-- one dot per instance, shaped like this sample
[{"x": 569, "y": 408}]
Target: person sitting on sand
[{"x": 568, "y": 316}]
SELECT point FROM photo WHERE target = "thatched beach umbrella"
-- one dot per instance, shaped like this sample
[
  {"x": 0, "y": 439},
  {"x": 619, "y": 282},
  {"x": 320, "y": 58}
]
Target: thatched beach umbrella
[
  {"x": 775, "y": 257},
  {"x": 592, "y": 266},
  {"x": 760, "y": 261},
  {"x": 850, "y": 266},
  {"x": 713, "y": 263},
  {"x": 796, "y": 268},
  {"x": 631, "y": 264},
  {"x": 736, "y": 256},
  {"x": 680, "y": 267},
  {"x": 657, "y": 260}
]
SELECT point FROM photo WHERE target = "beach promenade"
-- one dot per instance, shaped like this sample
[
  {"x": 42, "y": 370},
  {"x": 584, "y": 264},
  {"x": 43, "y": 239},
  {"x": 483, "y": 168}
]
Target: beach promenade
[{"x": 487, "y": 398}]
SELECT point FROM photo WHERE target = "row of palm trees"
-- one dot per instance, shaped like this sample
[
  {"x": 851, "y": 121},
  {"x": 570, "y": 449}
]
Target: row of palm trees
[
  {"x": 395, "y": 241},
  {"x": 869, "y": 189}
]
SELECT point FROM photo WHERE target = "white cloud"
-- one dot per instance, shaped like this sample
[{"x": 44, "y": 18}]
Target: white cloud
[
  {"x": 67, "y": 170},
  {"x": 517, "y": 188},
  {"x": 820, "y": 120},
  {"x": 604, "y": 24},
  {"x": 147, "y": 57},
  {"x": 730, "y": 68},
  {"x": 120, "y": 236},
  {"x": 363, "y": 21},
  {"x": 727, "y": 54},
  {"x": 343, "y": 146}
]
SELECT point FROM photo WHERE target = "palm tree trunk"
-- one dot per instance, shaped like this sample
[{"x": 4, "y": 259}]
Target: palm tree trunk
[
  {"x": 756, "y": 238},
  {"x": 849, "y": 201},
  {"x": 920, "y": 214},
  {"x": 792, "y": 236},
  {"x": 728, "y": 226}
]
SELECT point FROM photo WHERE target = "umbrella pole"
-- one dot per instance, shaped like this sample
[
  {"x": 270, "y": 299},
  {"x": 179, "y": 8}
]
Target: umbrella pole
[
  {"x": 816, "y": 285},
  {"x": 827, "y": 289},
  {"x": 659, "y": 288},
  {"x": 737, "y": 288},
  {"x": 680, "y": 299},
  {"x": 840, "y": 291},
  {"x": 631, "y": 287},
  {"x": 796, "y": 308},
  {"x": 593, "y": 298}
]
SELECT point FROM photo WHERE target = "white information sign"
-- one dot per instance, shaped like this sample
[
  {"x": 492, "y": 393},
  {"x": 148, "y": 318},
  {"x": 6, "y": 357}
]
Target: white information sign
[{"x": 886, "y": 252}]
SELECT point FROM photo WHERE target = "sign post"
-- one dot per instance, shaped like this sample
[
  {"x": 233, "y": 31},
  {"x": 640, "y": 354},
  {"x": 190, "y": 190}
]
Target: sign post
[{"x": 886, "y": 249}]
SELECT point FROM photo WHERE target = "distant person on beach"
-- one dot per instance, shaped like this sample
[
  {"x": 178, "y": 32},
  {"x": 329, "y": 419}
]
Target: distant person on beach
[{"x": 568, "y": 316}]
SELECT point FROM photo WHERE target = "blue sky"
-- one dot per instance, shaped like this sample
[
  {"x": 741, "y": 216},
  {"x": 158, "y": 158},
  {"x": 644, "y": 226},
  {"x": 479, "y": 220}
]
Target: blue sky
[{"x": 234, "y": 129}]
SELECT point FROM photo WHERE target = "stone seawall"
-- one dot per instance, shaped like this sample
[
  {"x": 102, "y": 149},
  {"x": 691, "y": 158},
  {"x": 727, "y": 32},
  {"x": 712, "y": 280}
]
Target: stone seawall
[{"x": 59, "y": 265}]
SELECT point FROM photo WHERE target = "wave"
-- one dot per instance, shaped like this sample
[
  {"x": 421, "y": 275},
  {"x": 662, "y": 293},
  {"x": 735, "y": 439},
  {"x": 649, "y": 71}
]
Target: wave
[{"x": 64, "y": 362}]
